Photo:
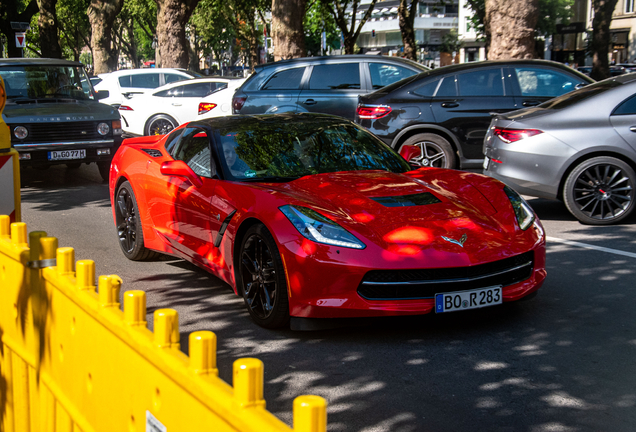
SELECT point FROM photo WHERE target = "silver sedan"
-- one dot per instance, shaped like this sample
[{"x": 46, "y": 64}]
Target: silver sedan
[{"x": 579, "y": 148}]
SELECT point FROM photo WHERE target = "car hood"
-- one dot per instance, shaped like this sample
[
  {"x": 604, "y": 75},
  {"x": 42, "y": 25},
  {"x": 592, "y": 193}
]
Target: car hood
[
  {"x": 59, "y": 110},
  {"x": 383, "y": 208}
]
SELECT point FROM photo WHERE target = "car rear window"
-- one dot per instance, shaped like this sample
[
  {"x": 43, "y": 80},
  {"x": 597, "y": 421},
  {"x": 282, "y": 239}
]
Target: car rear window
[
  {"x": 145, "y": 80},
  {"x": 335, "y": 77},
  {"x": 384, "y": 74},
  {"x": 285, "y": 80}
]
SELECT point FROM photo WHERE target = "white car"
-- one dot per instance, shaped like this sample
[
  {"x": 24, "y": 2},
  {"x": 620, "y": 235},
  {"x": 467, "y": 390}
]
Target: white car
[
  {"x": 218, "y": 103},
  {"x": 122, "y": 85},
  {"x": 163, "y": 109}
]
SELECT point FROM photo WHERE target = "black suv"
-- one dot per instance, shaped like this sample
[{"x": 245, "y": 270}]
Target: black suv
[
  {"x": 446, "y": 111},
  {"x": 54, "y": 116},
  {"x": 328, "y": 85}
]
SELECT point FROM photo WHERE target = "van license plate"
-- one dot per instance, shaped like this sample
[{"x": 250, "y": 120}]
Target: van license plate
[
  {"x": 67, "y": 154},
  {"x": 462, "y": 300}
]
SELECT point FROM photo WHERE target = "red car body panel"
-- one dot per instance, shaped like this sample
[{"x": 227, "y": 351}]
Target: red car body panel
[{"x": 183, "y": 220}]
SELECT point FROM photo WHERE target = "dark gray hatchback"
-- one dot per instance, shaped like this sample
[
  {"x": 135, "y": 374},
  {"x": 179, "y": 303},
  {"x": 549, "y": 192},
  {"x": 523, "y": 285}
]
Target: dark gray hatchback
[
  {"x": 54, "y": 115},
  {"x": 328, "y": 85}
]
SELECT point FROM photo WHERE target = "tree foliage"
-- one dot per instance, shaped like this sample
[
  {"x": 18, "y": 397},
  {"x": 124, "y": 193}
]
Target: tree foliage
[{"x": 318, "y": 20}]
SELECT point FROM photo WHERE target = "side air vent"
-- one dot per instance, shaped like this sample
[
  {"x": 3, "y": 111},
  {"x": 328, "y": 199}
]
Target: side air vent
[
  {"x": 153, "y": 152},
  {"x": 407, "y": 200}
]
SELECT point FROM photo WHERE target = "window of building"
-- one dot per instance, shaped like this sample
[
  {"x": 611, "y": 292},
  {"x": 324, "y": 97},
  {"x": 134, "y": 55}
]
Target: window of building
[{"x": 629, "y": 6}]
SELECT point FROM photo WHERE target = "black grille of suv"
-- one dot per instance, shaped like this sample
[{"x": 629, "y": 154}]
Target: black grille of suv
[
  {"x": 62, "y": 131},
  {"x": 425, "y": 283}
]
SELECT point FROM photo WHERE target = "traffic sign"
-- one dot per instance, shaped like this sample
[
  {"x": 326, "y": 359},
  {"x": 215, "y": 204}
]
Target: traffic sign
[{"x": 20, "y": 40}]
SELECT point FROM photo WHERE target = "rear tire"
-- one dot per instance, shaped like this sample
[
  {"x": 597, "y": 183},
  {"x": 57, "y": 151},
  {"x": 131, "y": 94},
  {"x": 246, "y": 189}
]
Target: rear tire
[
  {"x": 435, "y": 151},
  {"x": 129, "y": 229},
  {"x": 160, "y": 124},
  {"x": 261, "y": 279},
  {"x": 600, "y": 191}
]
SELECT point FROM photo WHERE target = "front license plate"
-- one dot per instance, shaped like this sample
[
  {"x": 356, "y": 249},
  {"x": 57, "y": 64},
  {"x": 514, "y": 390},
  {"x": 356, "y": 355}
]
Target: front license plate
[
  {"x": 67, "y": 154},
  {"x": 462, "y": 300},
  {"x": 486, "y": 162}
]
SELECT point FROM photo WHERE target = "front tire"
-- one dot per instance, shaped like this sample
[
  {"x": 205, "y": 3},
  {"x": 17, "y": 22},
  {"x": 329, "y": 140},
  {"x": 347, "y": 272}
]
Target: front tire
[
  {"x": 160, "y": 124},
  {"x": 435, "y": 151},
  {"x": 104, "y": 170},
  {"x": 129, "y": 230},
  {"x": 261, "y": 279},
  {"x": 600, "y": 191}
]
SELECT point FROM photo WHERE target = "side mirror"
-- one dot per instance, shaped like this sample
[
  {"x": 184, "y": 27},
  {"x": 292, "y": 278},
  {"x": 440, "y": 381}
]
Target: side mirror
[
  {"x": 102, "y": 94},
  {"x": 179, "y": 168},
  {"x": 409, "y": 152}
]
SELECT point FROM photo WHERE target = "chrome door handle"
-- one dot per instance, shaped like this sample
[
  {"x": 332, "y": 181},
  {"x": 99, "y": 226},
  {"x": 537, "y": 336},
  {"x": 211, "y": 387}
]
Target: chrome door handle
[
  {"x": 176, "y": 104},
  {"x": 310, "y": 102},
  {"x": 633, "y": 128},
  {"x": 449, "y": 104}
]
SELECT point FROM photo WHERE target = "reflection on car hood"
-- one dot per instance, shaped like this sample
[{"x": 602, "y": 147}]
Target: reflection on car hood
[{"x": 352, "y": 200}]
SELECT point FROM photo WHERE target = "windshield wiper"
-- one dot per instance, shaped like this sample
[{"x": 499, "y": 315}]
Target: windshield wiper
[{"x": 271, "y": 179}]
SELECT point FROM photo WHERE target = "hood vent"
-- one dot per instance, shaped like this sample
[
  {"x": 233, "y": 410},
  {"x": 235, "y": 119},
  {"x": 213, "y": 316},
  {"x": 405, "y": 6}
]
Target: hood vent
[
  {"x": 419, "y": 199},
  {"x": 153, "y": 152}
]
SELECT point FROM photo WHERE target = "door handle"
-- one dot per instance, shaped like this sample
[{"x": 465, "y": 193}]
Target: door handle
[
  {"x": 633, "y": 128},
  {"x": 310, "y": 102},
  {"x": 176, "y": 104},
  {"x": 449, "y": 104},
  {"x": 530, "y": 103}
]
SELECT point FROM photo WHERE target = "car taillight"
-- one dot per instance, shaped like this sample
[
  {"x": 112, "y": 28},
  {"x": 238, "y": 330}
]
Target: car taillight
[
  {"x": 125, "y": 108},
  {"x": 205, "y": 107},
  {"x": 513, "y": 135},
  {"x": 372, "y": 111},
  {"x": 237, "y": 103}
]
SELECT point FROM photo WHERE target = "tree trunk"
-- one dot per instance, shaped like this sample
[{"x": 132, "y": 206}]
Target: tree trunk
[
  {"x": 9, "y": 13},
  {"x": 601, "y": 37},
  {"x": 288, "y": 33},
  {"x": 406, "y": 14},
  {"x": 511, "y": 24},
  {"x": 172, "y": 17},
  {"x": 47, "y": 22},
  {"x": 101, "y": 15}
]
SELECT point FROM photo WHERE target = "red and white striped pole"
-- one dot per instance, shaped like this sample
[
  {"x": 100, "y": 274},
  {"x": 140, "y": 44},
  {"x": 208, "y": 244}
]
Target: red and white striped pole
[{"x": 9, "y": 168}]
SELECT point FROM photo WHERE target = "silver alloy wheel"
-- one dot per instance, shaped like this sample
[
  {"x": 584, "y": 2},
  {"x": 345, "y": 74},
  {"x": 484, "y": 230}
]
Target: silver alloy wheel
[
  {"x": 431, "y": 155},
  {"x": 160, "y": 125},
  {"x": 600, "y": 191}
]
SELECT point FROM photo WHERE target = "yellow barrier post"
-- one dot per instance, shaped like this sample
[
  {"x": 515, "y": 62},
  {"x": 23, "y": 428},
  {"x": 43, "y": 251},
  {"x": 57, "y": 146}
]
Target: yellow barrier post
[
  {"x": 310, "y": 414},
  {"x": 9, "y": 168}
]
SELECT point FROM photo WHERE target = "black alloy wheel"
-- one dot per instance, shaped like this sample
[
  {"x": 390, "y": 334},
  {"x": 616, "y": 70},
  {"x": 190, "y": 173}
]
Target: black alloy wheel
[
  {"x": 600, "y": 191},
  {"x": 435, "y": 151},
  {"x": 160, "y": 124},
  {"x": 131, "y": 238},
  {"x": 262, "y": 279}
]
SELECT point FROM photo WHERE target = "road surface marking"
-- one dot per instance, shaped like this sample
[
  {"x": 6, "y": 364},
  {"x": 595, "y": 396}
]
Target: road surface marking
[{"x": 589, "y": 246}]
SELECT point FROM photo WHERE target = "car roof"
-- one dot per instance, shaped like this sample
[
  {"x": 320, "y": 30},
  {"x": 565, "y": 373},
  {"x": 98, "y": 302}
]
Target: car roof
[
  {"x": 262, "y": 119},
  {"x": 145, "y": 70},
  {"x": 347, "y": 58},
  {"x": 193, "y": 81},
  {"x": 38, "y": 61}
]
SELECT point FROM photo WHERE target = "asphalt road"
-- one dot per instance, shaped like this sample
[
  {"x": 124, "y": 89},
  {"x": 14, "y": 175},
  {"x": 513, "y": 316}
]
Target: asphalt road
[{"x": 561, "y": 362}]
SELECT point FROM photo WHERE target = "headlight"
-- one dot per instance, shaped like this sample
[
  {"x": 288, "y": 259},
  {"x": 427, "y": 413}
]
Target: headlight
[
  {"x": 20, "y": 132},
  {"x": 318, "y": 228},
  {"x": 103, "y": 128},
  {"x": 523, "y": 211}
]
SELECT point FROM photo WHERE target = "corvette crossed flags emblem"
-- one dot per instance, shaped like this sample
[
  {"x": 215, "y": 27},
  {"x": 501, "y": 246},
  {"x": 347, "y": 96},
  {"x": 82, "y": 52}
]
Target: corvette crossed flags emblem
[{"x": 459, "y": 242}]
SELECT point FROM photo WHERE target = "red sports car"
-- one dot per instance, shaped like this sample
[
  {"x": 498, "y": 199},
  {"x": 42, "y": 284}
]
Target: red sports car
[{"x": 310, "y": 216}]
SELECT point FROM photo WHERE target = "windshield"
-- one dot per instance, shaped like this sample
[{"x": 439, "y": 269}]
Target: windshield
[
  {"x": 581, "y": 94},
  {"x": 280, "y": 150},
  {"x": 44, "y": 81}
]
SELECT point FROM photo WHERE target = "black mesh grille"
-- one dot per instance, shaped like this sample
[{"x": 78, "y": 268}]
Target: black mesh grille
[
  {"x": 62, "y": 131},
  {"x": 425, "y": 283}
]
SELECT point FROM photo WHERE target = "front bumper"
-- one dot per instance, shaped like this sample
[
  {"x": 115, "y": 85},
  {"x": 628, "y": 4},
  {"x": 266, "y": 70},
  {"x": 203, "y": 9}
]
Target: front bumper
[
  {"x": 38, "y": 153},
  {"x": 323, "y": 283}
]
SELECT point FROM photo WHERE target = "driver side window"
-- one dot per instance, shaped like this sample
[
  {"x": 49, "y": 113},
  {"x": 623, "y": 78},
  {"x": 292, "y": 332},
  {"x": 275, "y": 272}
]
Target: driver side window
[{"x": 194, "y": 150}]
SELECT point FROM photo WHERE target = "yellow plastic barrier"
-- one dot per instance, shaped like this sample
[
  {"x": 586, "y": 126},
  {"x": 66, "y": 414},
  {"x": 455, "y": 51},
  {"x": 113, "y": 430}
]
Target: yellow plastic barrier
[
  {"x": 71, "y": 360},
  {"x": 9, "y": 168}
]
